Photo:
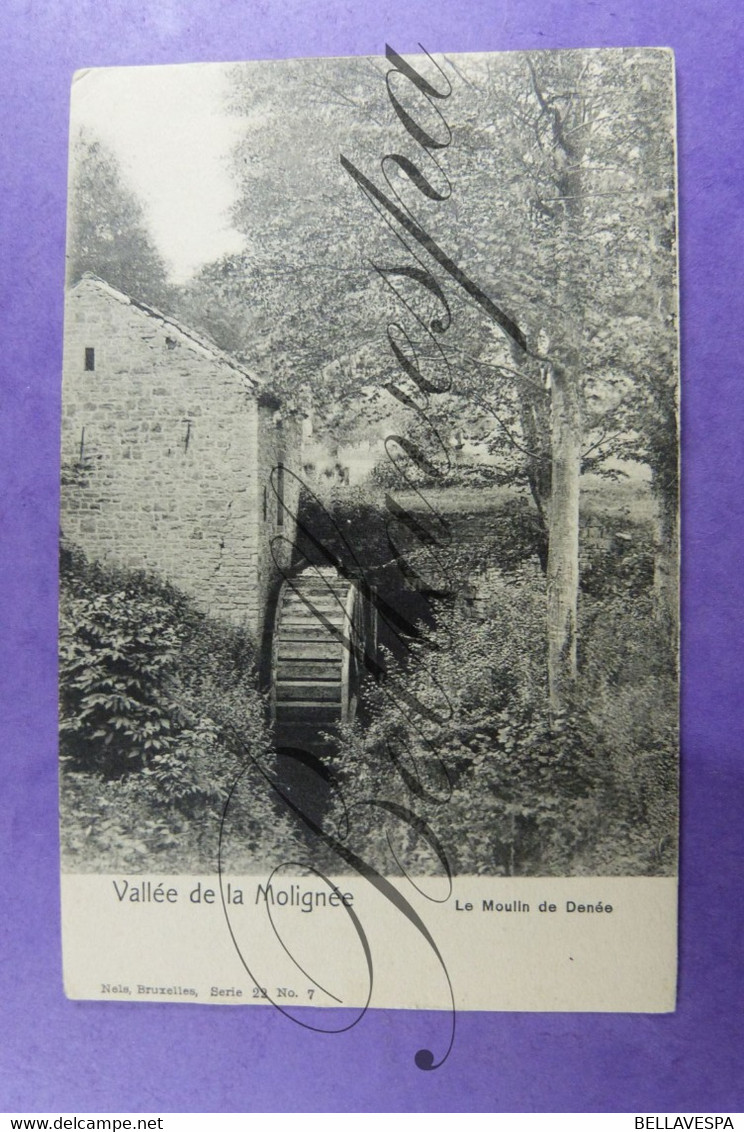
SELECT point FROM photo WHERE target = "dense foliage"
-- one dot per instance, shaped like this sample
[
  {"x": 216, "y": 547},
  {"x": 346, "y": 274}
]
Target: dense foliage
[
  {"x": 462, "y": 713},
  {"x": 556, "y": 196},
  {"x": 159, "y": 715}
]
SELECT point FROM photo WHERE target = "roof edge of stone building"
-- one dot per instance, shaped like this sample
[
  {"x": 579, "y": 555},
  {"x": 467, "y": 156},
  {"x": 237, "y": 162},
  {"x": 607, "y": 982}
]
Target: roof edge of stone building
[{"x": 196, "y": 342}]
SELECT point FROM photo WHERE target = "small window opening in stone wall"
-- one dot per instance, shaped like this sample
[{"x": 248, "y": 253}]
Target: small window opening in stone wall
[
  {"x": 171, "y": 343},
  {"x": 265, "y": 504},
  {"x": 90, "y": 359},
  {"x": 280, "y": 495},
  {"x": 187, "y": 434}
]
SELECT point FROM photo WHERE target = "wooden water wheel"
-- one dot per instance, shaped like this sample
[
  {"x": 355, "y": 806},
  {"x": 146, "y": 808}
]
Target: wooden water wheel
[{"x": 323, "y": 629}]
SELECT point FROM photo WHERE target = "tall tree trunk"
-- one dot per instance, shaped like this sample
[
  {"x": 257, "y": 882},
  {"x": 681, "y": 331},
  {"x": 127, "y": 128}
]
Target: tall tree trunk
[{"x": 563, "y": 550}]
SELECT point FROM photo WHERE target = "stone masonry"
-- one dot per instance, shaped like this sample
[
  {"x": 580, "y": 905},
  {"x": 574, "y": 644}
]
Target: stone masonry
[{"x": 167, "y": 451}]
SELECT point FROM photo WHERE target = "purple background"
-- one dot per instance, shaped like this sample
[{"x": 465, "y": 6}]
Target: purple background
[{"x": 65, "y": 1056}]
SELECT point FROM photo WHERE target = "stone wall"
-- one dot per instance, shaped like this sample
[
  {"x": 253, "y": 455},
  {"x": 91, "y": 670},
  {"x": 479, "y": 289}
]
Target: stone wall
[{"x": 160, "y": 454}]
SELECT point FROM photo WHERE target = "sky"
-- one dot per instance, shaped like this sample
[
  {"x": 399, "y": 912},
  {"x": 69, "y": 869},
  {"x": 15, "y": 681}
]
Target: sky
[{"x": 168, "y": 128}]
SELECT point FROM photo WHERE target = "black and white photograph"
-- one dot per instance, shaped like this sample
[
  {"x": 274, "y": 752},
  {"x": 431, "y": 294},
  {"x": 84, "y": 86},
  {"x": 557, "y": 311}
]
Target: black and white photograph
[{"x": 369, "y": 518}]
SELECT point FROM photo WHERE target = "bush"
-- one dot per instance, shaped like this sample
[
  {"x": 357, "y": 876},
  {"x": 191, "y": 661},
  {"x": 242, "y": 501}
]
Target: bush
[{"x": 517, "y": 791}]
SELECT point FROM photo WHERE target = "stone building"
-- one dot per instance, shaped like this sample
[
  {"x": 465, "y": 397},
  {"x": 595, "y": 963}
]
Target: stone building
[{"x": 174, "y": 459}]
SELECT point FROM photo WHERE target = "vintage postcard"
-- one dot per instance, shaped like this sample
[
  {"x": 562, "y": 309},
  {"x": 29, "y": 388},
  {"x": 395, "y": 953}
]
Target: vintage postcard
[{"x": 369, "y": 560}]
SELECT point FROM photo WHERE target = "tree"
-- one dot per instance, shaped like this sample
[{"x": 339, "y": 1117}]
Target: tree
[
  {"x": 108, "y": 234},
  {"x": 556, "y": 193}
]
